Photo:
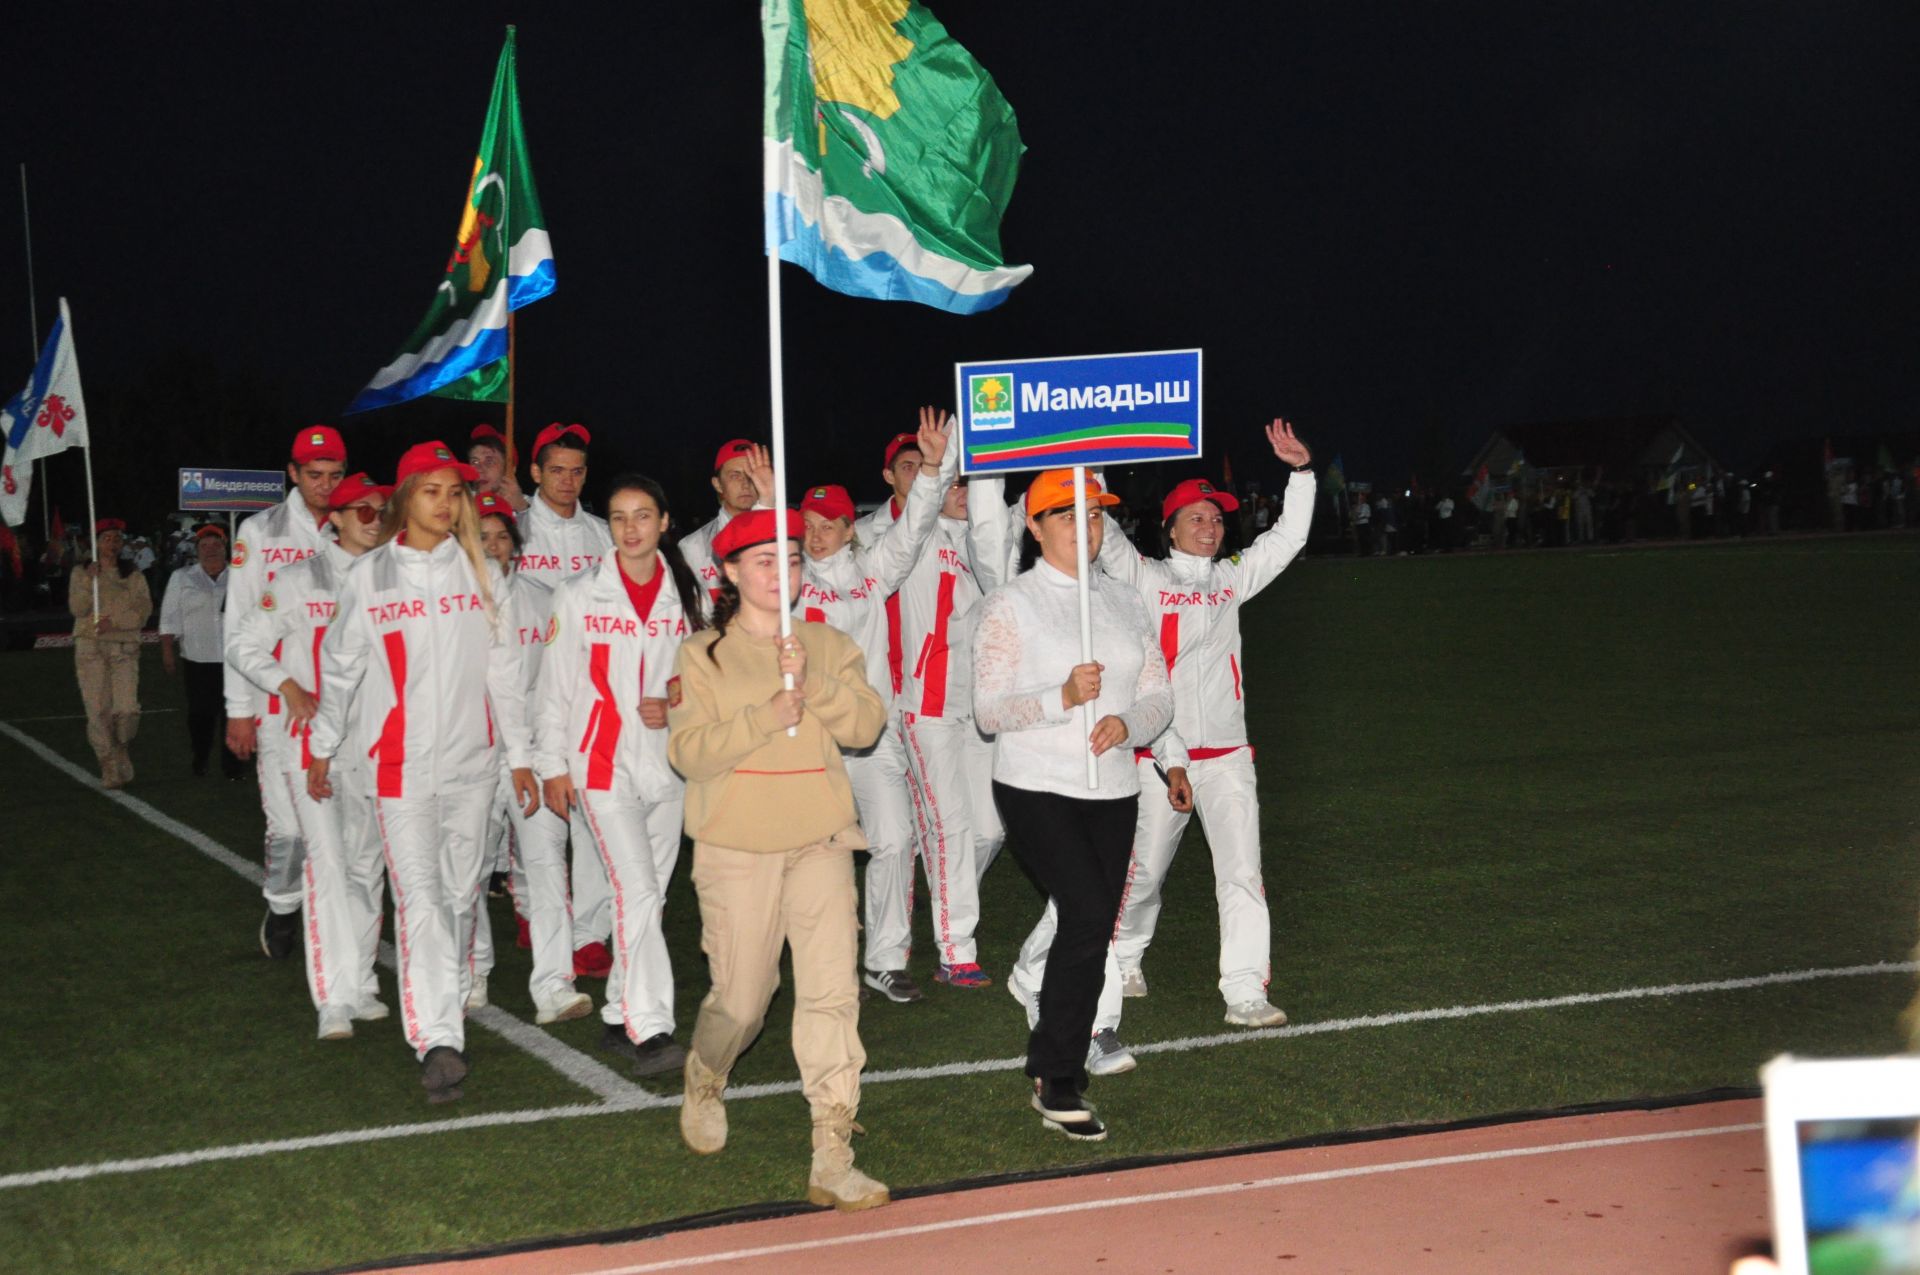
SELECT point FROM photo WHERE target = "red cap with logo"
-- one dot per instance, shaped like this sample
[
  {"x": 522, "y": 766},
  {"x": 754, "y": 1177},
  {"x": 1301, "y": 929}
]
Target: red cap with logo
[
  {"x": 755, "y": 527},
  {"x": 354, "y": 488},
  {"x": 1193, "y": 491},
  {"x": 105, "y": 525},
  {"x": 830, "y": 501},
  {"x": 489, "y": 435},
  {"x": 426, "y": 458},
  {"x": 899, "y": 443},
  {"x": 488, "y": 502},
  {"x": 556, "y": 432},
  {"x": 1053, "y": 489},
  {"x": 319, "y": 442},
  {"x": 729, "y": 449}
]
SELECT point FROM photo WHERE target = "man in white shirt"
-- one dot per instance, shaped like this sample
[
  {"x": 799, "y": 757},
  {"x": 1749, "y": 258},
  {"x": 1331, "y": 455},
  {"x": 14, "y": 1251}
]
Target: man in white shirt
[{"x": 190, "y": 617}]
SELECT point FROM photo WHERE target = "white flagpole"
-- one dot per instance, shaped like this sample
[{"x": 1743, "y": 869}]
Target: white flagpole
[
  {"x": 777, "y": 383},
  {"x": 38, "y": 471},
  {"x": 1086, "y": 609}
]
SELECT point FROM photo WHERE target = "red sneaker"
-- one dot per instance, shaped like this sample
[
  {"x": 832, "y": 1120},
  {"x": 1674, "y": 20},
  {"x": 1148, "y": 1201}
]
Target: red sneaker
[
  {"x": 592, "y": 960},
  {"x": 522, "y": 937}
]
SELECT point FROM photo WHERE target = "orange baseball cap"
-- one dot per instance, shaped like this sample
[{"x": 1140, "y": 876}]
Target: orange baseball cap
[{"x": 1053, "y": 488}]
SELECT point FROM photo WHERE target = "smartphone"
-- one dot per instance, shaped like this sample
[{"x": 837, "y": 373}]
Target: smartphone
[{"x": 1843, "y": 1164}]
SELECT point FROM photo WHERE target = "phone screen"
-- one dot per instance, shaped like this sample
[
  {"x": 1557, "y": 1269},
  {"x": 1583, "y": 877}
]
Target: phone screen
[{"x": 1860, "y": 1187}]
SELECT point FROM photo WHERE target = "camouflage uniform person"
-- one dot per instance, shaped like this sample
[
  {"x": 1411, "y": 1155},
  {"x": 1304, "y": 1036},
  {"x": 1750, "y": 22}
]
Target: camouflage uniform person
[{"x": 106, "y": 650}]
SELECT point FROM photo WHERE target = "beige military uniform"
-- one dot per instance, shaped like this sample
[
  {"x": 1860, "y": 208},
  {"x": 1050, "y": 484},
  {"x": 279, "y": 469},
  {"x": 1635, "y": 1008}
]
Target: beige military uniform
[{"x": 108, "y": 664}]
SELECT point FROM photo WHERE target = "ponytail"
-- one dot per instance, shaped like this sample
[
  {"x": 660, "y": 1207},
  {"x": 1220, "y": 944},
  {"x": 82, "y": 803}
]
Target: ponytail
[{"x": 724, "y": 609}]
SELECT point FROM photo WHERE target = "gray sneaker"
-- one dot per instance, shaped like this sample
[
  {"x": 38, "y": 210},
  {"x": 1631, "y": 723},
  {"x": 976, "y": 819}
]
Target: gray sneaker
[
  {"x": 896, "y": 985},
  {"x": 1133, "y": 984},
  {"x": 1106, "y": 1056}
]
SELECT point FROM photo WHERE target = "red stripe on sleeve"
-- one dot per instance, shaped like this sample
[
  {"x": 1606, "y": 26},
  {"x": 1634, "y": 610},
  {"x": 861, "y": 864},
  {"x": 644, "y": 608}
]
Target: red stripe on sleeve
[
  {"x": 392, "y": 748},
  {"x": 607, "y": 737},
  {"x": 933, "y": 696},
  {"x": 1170, "y": 637}
]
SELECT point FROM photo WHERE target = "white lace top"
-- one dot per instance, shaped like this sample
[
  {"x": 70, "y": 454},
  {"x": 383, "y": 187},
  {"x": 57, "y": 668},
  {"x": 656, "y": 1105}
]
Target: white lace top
[{"x": 1026, "y": 643}]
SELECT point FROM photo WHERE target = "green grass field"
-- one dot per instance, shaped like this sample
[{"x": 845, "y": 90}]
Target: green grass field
[{"x": 1484, "y": 779}]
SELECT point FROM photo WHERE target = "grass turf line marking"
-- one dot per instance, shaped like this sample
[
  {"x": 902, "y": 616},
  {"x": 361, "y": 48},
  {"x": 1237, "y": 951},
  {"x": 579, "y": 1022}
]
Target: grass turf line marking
[
  {"x": 645, "y": 1101},
  {"x": 593, "y": 1076},
  {"x": 1166, "y": 1197}
]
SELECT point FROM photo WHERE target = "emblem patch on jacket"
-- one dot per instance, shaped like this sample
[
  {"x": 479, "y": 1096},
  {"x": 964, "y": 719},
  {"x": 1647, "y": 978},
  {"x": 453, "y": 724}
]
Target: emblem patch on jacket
[{"x": 673, "y": 692}]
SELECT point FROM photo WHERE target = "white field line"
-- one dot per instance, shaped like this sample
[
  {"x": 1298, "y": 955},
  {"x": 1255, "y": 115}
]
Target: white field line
[
  {"x": 646, "y": 1101},
  {"x": 588, "y": 1073},
  {"x": 1166, "y": 1197}
]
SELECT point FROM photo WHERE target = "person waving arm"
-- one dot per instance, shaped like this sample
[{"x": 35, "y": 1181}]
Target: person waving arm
[
  {"x": 1274, "y": 549},
  {"x": 891, "y": 560}
]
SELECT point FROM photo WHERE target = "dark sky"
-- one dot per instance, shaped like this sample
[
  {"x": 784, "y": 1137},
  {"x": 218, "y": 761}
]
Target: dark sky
[{"x": 1397, "y": 225}]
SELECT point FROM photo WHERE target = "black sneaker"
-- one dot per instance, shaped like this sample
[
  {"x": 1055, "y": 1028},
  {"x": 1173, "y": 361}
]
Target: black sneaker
[
  {"x": 614, "y": 1040},
  {"x": 441, "y": 1072},
  {"x": 657, "y": 1055},
  {"x": 896, "y": 985},
  {"x": 279, "y": 934},
  {"x": 1063, "y": 1110},
  {"x": 499, "y": 886}
]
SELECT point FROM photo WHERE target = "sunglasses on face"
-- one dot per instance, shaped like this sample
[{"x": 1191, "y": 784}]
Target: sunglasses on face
[{"x": 365, "y": 513}]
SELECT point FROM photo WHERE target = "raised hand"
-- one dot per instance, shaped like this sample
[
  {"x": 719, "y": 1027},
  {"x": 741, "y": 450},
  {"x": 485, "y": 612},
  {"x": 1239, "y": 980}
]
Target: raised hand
[
  {"x": 1286, "y": 445},
  {"x": 935, "y": 431},
  {"x": 760, "y": 470}
]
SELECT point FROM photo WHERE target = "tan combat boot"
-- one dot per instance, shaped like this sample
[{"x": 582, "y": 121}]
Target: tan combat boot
[
  {"x": 703, "y": 1116},
  {"x": 834, "y": 1180}
]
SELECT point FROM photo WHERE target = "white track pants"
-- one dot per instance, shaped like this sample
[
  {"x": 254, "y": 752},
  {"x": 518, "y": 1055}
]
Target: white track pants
[
  {"x": 344, "y": 890},
  {"x": 499, "y": 834},
  {"x": 436, "y": 860},
  {"x": 1031, "y": 967},
  {"x": 950, "y": 766},
  {"x": 283, "y": 853},
  {"x": 539, "y": 849},
  {"x": 592, "y": 894},
  {"x": 1229, "y": 808},
  {"x": 879, "y": 778},
  {"x": 639, "y": 844}
]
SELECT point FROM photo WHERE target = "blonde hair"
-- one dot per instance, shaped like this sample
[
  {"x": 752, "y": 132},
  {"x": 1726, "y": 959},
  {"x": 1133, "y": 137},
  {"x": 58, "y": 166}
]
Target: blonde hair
[{"x": 466, "y": 530}]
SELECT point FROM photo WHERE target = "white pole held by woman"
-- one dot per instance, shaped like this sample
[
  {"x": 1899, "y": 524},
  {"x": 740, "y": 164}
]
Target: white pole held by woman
[
  {"x": 1081, "y": 566},
  {"x": 776, "y": 381}
]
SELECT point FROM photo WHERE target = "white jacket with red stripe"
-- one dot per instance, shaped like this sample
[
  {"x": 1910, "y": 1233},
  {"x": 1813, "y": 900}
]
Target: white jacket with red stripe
[
  {"x": 279, "y": 638},
  {"x": 867, "y": 533},
  {"x": 553, "y": 548},
  {"x": 601, "y": 660},
  {"x": 267, "y": 544},
  {"x": 430, "y": 675},
  {"x": 696, "y": 549},
  {"x": 1196, "y": 602},
  {"x": 937, "y": 603},
  {"x": 851, "y": 589},
  {"x": 526, "y": 608}
]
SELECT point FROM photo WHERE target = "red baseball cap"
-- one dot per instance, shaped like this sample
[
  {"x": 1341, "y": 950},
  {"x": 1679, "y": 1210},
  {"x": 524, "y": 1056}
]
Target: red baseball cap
[
  {"x": 426, "y": 458},
  {"x": 484, "y": 433},
  {"x": 355, "y": 487},
  {"x": 488, "y": 502},
  {"x": 755, "y": 527},
  {"x": 209, "y": 529},
  {"x": 108, "y": 524},
  {"x": 556, "y": 432},
  {"x": 729, "y": 449},
  {"x": 1193, "y": 491},
  {"x": 1053, "y": 488},
  {"x": 830, "y": 501},
  {"x": 900, "y": 442},
  {"x": 319, "y": 442}
]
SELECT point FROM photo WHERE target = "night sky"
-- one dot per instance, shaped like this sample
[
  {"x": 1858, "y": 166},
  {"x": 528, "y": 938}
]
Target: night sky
[{"x": 1396, "y": 225}]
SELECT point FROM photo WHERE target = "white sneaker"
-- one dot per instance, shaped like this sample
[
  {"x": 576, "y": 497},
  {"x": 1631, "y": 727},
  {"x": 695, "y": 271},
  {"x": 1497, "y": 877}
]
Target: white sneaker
[
  {"x": 1255, "y": 1014},
  {"x": 1106, "y": 1056},
  {"x": 1133, "y": 983},
  {"x": 336, "y": 1023},
  {"x": 563, "y": 1008},
  {"x": 1029, "y": 1001},
  {"x": 371, "y": 1010},
  {"x": 477, "y": 994}
]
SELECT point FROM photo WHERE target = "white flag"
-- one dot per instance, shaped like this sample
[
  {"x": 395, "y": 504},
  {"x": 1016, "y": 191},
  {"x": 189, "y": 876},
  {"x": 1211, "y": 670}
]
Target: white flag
[{"x": 48, "y": 416}]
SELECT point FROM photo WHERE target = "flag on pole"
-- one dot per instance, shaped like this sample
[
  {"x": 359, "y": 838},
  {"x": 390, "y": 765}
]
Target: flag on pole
[
  {"x": 1480, "y": 492},
  {"x": 501, "y": 260},
  {"x": 889, "y": 154},
  {"x": 1335, "y": 479},
  {"x": 42, "y": 420}
]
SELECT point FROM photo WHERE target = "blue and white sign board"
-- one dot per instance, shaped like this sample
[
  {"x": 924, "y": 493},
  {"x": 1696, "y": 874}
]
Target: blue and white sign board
[
  {"x": 1102, "y": 409},
  {"x": 239, "y": 490}
]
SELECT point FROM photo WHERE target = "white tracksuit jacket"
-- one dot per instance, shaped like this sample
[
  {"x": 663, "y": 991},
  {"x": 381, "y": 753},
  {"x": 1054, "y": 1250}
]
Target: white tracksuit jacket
[
  {"x": 277, "y": 641},
  {"x": 601, "y": 660},
  {"x": 1196, "y": 603},
  {"x": 696, "y": 549},
  {"x": 268, "y": 543}
]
